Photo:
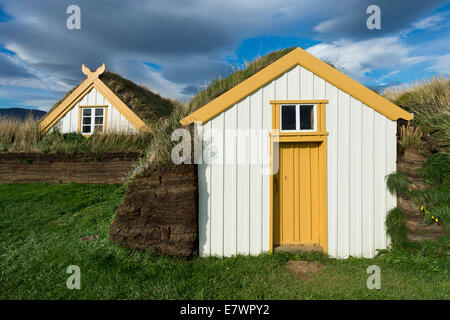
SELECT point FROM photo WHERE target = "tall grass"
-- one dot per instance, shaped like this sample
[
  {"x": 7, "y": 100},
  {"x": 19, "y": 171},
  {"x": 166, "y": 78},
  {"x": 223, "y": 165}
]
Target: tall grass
[
  {"x": 19, "y": 136},
  {"x": 411, "y": 137},
  {"x": 160, "y": 148},
  {"x": 25, "y": 136},
  {"x": 429, "y": 100}
]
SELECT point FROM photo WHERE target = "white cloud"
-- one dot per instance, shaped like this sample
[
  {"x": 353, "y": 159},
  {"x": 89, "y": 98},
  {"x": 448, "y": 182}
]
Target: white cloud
[
  {"x": 432, "y": 22},
  {"x": 358, "y": 58},
  {"x": 440, "y": 64}
]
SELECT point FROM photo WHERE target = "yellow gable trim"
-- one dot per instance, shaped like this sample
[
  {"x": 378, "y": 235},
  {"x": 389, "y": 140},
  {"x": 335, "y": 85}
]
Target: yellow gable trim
[
  {"x": 92, "y": 81},
  {"x": 297, "y": 56},
  {"x": 120, "y": 106},
  {"x": 53, "y": 117}
]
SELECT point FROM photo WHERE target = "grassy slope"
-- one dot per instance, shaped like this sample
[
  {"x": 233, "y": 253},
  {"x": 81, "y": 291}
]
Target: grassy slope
[
  {"x": 430, "y": 102},
  {"x": 219, "y": 86},
  {"x": 40, "y": 226}
]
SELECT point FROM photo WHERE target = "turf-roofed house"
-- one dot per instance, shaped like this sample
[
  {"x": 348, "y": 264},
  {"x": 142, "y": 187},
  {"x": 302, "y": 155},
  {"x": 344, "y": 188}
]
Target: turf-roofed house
[
  {"x": 329, "y": 142},
  {"x": 106, "y": 102}
]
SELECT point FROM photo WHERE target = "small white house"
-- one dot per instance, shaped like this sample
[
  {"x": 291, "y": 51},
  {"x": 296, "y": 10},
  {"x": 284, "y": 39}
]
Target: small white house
[
  {"x": 335, "y": 142},
  {"x": 93, "y": 106}
]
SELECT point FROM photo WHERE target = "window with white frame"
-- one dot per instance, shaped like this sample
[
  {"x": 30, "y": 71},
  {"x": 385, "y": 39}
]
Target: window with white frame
[
  {"x": 298, "y": 117},
  {"x": 92, "y": 119}
]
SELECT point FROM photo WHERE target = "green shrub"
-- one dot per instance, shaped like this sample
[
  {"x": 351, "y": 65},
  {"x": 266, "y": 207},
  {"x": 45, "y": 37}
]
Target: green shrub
[
  {"x": 436, "y": 168},
  {"x": 397, "y": 183},
  {"x": 395, "y": 226}
]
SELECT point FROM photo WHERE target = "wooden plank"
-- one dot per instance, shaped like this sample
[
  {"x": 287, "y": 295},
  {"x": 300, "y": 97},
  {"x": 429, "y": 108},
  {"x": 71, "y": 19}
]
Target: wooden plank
[
  {"x": 343, "y": 175},
  {"x": 356, "y": 209},
  {"x": 230, "y": 180},
  {"x": 315, "y": 193},
  {"x": 256, "y": 118},
  {"x": 243, "y": 187},
  {"x": 217, "y": 190}
]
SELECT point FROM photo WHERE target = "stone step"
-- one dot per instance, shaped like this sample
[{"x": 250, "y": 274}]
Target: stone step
[
  {"x": 421, "y": 227},
  {"x": 293, "y": 248},
  {"x": 408, "y": 207},
  {"x": 421, "y": 238}
]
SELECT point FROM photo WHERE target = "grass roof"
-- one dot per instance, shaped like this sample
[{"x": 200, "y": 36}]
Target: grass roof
[
  {"x": 147, "y": 105},
  {"x": 220, "y": 86}
]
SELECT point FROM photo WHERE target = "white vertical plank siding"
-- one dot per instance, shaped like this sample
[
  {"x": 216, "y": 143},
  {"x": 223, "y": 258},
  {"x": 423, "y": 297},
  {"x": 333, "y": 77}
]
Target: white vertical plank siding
[
  {"x": 293, "y": 84},
  {"x": 115, "y": 121},
  {"x": 332, "y": 166},
  {"x": 379, "y": 180},
  {"x": 307, "y": 84},
  {"x": 255, "y": 188},
  {"x": 343, "y": 187},
  {"x": 230, "y": 179},
  {"x": 204, "y": 190},
  {"x": 234, "y": 215},
  {"x": 243, "y": 179},
  {"x": 268, "y": 94},
  {"x": 391, "y": 160},
  {"x": 367, "y": 174},
  {"x": 355, "y": 177},
  {"x": 217, "y": 181}
]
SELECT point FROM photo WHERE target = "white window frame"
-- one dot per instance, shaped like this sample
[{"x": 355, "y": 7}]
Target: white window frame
[
  {"x": 297, "y": 117},
  {"x": 92, "y": 116}
]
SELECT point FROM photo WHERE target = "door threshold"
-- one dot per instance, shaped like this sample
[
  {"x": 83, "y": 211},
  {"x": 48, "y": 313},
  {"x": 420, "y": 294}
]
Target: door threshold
[{"x": 292, "y": 248}]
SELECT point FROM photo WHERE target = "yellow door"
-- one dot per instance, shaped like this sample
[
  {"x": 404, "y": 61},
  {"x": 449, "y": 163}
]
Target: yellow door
[{"x": 297, "y": 194}]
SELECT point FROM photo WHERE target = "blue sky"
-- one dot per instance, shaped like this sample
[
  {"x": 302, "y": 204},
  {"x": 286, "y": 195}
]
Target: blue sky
[{"x": 176, "y": 47}]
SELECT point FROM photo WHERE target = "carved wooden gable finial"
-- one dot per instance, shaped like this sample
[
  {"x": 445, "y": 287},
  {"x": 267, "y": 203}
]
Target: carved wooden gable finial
[{"x": 96, "y": 73}]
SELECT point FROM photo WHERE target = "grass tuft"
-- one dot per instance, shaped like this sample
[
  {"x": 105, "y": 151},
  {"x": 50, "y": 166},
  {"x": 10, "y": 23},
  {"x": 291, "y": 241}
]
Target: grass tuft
[
  {"x": 436, "y": 168},
  {"x": 397, "y": 183},
  {"x": 411, "y": 137},
  {"x": 395, "y": 227}
]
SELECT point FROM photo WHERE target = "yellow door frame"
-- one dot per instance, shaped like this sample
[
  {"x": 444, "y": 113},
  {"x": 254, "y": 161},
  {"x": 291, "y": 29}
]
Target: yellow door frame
[{"x": 320, "y": 135}]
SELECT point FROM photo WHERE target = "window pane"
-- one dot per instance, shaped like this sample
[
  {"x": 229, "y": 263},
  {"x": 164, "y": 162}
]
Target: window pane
[
  {"x": 86, "y": 111},
  {"x": 98, "y": 120},
  {"x": 306, "y": 117},
  {"x": 288, "y": 118},
  {"x": 86, "y": 129},
  {"x": 99, "y": 111},
  {"x": 86, "y": 120}
]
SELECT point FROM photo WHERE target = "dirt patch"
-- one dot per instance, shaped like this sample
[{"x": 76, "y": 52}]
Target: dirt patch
[
  {"x": 89, "y": 238},
  {"x": 304, "y": 270}
]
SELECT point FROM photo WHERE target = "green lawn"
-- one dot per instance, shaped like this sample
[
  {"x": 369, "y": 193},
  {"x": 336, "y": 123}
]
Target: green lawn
[{"x": 40, "y": 227}]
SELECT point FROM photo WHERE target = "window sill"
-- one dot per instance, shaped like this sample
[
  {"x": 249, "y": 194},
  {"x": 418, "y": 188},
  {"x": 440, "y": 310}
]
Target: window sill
[{"x": 310, "y": 136}]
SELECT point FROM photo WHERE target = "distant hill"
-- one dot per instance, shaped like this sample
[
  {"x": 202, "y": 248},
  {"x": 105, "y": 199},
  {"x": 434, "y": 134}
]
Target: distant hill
[{"x": 21, "y": 114}]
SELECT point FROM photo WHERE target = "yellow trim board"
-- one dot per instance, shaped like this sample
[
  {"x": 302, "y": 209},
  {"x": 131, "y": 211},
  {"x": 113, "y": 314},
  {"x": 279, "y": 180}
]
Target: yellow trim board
[
  {"x": 92, "y": 81},
  {"x": 298, "y": 101},
  {"x": 120, "y": 106},
  {"x": 297, "y": 56}
]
